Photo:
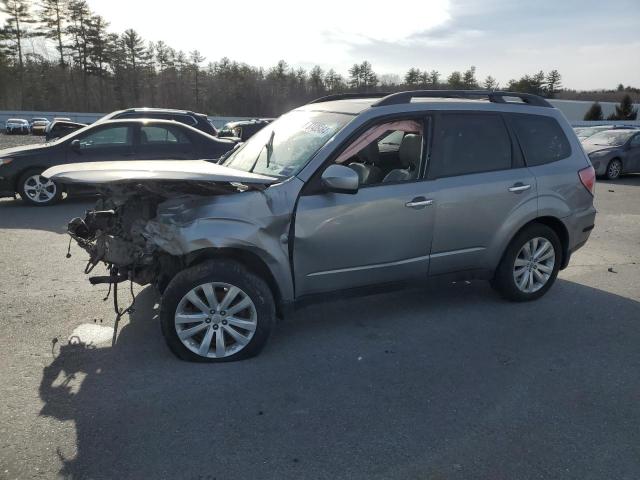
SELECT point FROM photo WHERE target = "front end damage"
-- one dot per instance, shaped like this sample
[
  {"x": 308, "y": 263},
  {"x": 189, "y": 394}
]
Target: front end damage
[
  {"x": 147, "y": 218},
  {"x": 126, "y": 234}
]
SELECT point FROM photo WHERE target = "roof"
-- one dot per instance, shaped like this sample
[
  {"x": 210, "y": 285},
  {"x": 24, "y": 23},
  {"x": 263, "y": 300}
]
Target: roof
[{"x": 354, "y": 103}]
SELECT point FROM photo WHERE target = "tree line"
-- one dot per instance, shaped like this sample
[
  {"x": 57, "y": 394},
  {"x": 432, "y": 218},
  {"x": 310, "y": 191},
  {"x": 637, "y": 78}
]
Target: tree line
[
  {"x": 624, "y": 111},
  {"x": 59, "y": 55}
]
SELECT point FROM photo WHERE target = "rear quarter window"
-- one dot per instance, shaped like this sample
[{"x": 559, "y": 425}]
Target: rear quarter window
[{"x": 541, "y": 138}]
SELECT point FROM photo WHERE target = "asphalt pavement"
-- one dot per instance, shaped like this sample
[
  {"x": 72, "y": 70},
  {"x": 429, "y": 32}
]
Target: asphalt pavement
[{"x": 450, "y": 382}]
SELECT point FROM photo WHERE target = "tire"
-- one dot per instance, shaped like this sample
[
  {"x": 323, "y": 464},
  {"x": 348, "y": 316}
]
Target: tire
[
  {"x": 614, "y": 169},
  {"x": 177, "y": 310},
  {"x": 30, "y": 181},
  {"x": 504, "y": 280}
]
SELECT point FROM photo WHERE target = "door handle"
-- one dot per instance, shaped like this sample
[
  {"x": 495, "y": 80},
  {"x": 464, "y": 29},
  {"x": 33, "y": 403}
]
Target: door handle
[
  {"x": 519, "y": 187},
  {"x": 419, "y": 202}
]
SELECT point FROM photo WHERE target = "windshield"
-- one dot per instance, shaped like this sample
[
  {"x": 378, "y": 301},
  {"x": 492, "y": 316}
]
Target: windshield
[
  {"x": 610, "y": 137},
  {"x": 284, "y": 147}
]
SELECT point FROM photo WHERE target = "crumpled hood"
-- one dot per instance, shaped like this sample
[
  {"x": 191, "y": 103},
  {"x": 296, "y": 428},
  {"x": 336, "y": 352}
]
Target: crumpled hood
[{"x": 99, "y": 173}]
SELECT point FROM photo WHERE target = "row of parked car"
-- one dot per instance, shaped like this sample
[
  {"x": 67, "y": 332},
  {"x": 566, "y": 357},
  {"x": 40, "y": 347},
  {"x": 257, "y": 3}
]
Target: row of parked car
[
  {"x": 140, "y": 133},
  {"x": 62, "y": 126},
  {"x": 35, "y": 126},
  {"x": 613, "y": 149}
]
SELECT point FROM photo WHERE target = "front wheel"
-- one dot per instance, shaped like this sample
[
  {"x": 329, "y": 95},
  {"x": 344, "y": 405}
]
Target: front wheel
[
  {"x": 530, "y": 264},
  {"x": 216, "y": 311},
  {"x": 34, "y": 189}
]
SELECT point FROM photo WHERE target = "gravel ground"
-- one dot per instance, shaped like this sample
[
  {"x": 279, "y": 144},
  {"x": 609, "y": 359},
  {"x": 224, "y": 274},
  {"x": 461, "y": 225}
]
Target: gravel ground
[
  {"x": 9, "y": 141},
  {"x": 450, "y": 382}
]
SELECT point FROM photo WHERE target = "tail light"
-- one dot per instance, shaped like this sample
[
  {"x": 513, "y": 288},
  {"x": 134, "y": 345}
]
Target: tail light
[{"x": 588, "y": 178}]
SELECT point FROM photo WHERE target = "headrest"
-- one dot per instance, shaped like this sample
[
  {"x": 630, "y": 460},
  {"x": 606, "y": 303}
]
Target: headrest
[{"x": 410, "y": 150}]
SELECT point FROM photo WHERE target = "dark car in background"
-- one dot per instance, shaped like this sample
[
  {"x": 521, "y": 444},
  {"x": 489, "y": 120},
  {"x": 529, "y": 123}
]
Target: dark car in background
[
  {"x": 614, "y": 152},
  {"x": 16, "y": 126},
  {"x": 198, "y": 121},
  {"x": 61, "y": 128},
  {"x": 131, "y": 139},
  {"x": 244, "y": 129}
]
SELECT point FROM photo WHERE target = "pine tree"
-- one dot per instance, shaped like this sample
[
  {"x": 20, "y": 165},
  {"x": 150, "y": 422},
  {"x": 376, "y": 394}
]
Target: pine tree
[
  {"x": 134, "y": 54},
  {"x": 51, "y": 18},
  {"x": 469, "y": 81},
  {"x": 16, "y": 30},
  {"x": 316, "y": 80},
  {"x": 334, "y": 81},
  {"x": 412, "y": 77},
  {"x": 625, "y": 110},
  {"x": 355, "y": 77},
  {"x": 594, "y": 113},
  {"x": 434, "y": 78},
  {"x": 553, "y": 83},
  {"x": 368, "y": 76},
  {"x": 196, "y": 58},
  {"x": 490, "y": 83},
  {"x": 455, "y": 80}
]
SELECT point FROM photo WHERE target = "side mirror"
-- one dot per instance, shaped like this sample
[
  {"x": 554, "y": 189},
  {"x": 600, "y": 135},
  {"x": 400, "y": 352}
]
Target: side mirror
[
  {"x": 75, "y": 145},
  {"x": 340, "y": 179}
]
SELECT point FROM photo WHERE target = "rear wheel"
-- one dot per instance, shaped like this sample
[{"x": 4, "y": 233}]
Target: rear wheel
[
  {"x": 614, "y": 169},
  {"x": 34, "y": 189},
  {"x": 216, "y": 311},
  {"x": 530, "y": 265}
]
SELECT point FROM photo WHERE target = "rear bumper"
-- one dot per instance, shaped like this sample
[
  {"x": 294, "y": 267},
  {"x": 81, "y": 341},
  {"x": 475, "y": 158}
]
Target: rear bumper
[{"x": 579, "y": 227}]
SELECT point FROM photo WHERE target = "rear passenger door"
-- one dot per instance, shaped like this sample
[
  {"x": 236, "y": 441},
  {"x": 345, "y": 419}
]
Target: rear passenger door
[
  {"x": 165, "y": 142},
  {"x": 481, "y": 190}
]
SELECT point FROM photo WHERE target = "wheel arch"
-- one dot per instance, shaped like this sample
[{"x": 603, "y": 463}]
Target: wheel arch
[
  {"x": 555, "y": 224},
  {"x": 18, "y": 176},
  {"x": 251, "y": 260}
]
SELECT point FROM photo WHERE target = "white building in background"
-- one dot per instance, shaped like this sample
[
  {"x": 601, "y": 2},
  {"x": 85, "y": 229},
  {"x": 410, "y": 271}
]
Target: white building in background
[{"x": 574, "y": 110}]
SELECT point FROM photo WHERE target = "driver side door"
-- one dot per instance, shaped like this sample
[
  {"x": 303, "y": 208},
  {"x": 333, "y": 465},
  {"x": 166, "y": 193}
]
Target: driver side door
[
  {"x": 381, "y": 234},
  {"x": 104, "y": 143}
]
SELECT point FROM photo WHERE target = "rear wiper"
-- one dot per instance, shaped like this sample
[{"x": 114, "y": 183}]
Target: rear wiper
[{"x": 269, "y": 147}]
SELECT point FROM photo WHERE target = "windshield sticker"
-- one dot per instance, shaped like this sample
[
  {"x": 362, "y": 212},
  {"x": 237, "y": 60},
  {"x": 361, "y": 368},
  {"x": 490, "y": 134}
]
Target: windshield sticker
[{"x": 315, "y": 128}]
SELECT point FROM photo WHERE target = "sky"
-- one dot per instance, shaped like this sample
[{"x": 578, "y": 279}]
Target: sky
[{"x": 594, "y": 44}]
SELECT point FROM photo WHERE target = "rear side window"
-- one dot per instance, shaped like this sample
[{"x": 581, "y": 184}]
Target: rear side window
[
  {"x": 541, "y": 138},
  {"x": 186, "y": 119},
  {"x": 153, "y": 135},
  {"x": 469, "y": 143}
]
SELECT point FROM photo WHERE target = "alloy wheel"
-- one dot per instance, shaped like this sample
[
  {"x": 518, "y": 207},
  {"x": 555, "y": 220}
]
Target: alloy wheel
[
  {"x": 215, "y": 320},
  {"x": 614, "y": 170},
  {"x": 39, "y": 189},
  {"x": 534, "y": 265}
]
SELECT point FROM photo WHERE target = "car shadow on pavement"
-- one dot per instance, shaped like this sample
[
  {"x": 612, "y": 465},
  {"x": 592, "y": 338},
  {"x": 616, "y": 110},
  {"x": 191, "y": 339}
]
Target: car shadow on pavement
[
  {"x": 448, "y": 382},
  {"x": 14, "y": 214}
]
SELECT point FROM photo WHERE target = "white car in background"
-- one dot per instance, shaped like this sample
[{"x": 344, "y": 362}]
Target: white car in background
[{"x": 16, "y": 125}]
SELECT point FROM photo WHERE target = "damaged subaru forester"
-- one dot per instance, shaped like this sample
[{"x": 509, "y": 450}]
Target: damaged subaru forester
[{"x": 350, "y": 193}]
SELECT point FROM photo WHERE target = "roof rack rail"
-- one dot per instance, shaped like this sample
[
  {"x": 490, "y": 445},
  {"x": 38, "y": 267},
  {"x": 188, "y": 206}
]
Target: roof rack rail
[
  {"x": 491, "y": 95},
  {"x": 347, "y": 96}
]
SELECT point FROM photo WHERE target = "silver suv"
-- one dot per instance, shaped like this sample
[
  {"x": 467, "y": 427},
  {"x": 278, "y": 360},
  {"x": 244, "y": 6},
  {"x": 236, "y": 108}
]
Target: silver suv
[{"x": 347, "y": 193}]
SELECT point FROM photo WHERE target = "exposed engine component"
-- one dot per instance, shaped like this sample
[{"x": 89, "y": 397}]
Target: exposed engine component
[{"x": 113, "y": 234}]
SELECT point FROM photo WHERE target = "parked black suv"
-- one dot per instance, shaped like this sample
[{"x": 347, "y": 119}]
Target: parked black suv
[
  {"x": 244, "y": 129},
  {"x": 195, "y": 120}
]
